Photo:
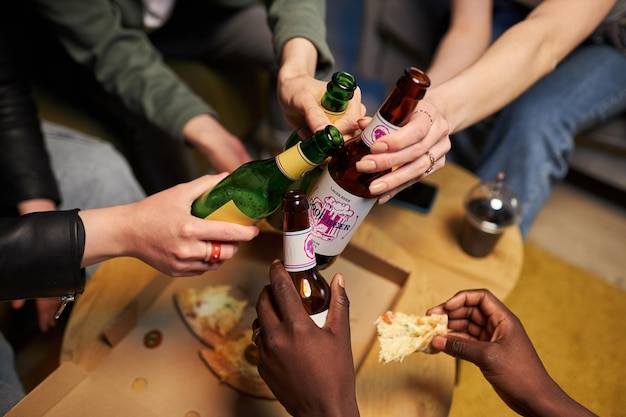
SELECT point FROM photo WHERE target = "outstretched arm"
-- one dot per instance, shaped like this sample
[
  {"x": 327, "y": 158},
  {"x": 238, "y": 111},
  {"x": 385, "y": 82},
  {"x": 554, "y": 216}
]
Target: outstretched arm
[
  {"x": 161, "y": 231},
  {"x": 516, "y": 60}
]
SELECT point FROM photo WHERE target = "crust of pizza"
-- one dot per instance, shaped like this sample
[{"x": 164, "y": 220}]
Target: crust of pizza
[
  {"x": 401, "y": 334},
  {"x": 231, "y": 363},
  {"x": 211, "y": 313}
]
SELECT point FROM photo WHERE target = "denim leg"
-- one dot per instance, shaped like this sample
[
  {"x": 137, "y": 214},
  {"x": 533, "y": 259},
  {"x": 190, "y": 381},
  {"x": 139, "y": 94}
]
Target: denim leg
[
  {"x": 533, "y": 137},
  {"x": 91, "y": 173},
  {"x": 11, "y": 390}
]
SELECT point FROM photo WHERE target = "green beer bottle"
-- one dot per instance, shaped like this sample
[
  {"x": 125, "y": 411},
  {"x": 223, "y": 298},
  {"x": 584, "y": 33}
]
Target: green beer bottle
[
  {"x": 334, "y": 102},
  {"x": 255, "y": 190}
]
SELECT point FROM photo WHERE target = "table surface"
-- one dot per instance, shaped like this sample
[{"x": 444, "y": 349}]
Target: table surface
[{"x": 422, "y": 384}]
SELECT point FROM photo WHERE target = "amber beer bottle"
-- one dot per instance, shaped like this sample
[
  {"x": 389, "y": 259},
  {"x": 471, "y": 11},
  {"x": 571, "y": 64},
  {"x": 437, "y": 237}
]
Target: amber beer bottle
[
  {"x": 255, "y": 190},
  {"x": 334, "y": 102},
  {"x": 340, "y": 199},
  {"x": 299, "y": 257}
]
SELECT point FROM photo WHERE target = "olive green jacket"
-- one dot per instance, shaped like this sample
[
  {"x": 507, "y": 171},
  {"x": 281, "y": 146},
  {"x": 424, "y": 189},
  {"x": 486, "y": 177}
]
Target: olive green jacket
[{"x": 107, "y": 36}]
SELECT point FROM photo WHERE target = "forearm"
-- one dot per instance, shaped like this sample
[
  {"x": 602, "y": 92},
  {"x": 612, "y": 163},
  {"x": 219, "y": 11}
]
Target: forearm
[
  {"x": 520, "y": 57},
  {"x": 24, "y": 162},
  {"x": 299, "y": 57},
  {"x": 108, "y": 233},
  {"x": 305, "y": 20},
  {"x": 468, "y": 36},
  {"x": 105, "y": 36},
  {"x": 551, "y": 401}
]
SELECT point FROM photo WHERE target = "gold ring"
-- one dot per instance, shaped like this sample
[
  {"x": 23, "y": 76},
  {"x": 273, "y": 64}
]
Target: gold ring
[
  {"x": 432, "y": 162},
  {"x": 255, "y": 334},
  {"x": 427, "y": 114},
  {"x": 213, "y": 256}
]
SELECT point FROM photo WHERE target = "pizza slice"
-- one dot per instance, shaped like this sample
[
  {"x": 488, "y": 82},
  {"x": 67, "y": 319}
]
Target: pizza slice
[
  {"x": 401, "y": 334},
  {"x": 234, "y": 362},
  {"x": 212, "y": 312}
]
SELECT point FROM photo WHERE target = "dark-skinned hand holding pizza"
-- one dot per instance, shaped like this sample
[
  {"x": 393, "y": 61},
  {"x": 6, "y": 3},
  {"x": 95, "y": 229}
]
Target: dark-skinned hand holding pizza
[{"x": 486, "y": 333}]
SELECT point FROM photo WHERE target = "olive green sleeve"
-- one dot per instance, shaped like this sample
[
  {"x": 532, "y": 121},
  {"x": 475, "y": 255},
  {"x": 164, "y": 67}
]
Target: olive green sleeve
[
  {"x": 106, "y": 36},
  {"x": 290, "y": 19}
]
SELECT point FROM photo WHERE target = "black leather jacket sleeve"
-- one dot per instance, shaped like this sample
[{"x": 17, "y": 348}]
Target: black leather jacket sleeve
[
  {"x": 41, "y": 255},
  {"x": 25, "y": 170}
]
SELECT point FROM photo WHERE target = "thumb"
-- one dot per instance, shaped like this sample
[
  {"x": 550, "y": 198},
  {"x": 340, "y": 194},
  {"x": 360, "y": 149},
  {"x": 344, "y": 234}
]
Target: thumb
[
  {"x": 339, "y": 310},
  {"x": 206, "y": 182},
  {"x": 461, "y": 348}
]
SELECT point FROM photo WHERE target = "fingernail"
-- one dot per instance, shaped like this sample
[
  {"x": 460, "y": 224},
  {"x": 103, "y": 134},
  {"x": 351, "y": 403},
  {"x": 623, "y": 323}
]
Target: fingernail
[
  {"x": 379, "y": 147},
  {"x": 384, "y": 199},
  {"x": 340, "y": 280},
  {"x": 366, "y": 165},
  {"x": 377, "y": 187},
  {"x": 439, "y": 343}
]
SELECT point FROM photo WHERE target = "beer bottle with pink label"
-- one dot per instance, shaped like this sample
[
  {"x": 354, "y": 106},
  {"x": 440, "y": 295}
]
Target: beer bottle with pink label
[
  {"x": 340, "y": 199},
  {"x": 299, "y": 259}
]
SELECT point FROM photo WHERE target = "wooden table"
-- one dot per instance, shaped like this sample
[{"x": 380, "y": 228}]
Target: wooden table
[{"x": 423, "y": 384}]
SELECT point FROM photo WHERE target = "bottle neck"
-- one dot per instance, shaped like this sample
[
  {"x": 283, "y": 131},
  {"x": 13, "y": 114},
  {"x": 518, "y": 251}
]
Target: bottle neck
[
  {"x": 297, "y": 236},
  {"x": 321, "y": 145}
]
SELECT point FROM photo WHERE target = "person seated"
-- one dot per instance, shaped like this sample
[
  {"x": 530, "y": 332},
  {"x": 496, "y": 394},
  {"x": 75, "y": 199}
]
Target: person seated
[
  {"x": 484, "y": 332},
  {"x": 117, "y": 49},
  {"x": 518, "y": 80}
]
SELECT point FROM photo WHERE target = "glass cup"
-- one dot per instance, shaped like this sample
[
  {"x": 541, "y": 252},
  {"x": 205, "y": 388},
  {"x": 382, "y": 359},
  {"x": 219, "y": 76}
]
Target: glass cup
[{"x": 490, "y": 208}]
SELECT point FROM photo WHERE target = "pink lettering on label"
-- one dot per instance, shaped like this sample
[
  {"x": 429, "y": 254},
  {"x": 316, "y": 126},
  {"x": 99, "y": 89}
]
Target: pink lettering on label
[{"x": 329, "y": 217}]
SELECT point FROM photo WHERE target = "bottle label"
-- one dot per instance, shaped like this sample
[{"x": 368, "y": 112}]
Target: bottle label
[
  {"x": 230, "y": 213},
  {"x": 333, "y": 116},
  {"x": 293, "y": 163},
  {"x": 376, "y": 129},
  {"x": 299, "y": 253},
  {"x": 319, "y": 318},
  {"x": 334, "y": 215}
]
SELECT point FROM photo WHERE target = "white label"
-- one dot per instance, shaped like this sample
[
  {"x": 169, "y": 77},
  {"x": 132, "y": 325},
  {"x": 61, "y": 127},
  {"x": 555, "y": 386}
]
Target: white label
[
  {"x": 320, "y": 318},
  {"x": 334, "y": 215},
  {"x": 299, "y": 252},
  {"x": 376, "y": 129}
]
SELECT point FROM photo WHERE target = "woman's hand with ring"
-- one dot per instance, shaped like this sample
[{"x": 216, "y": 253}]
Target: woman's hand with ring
[
  {"x": 414, "y": 151},
  {"x": 161, "y": 231}
]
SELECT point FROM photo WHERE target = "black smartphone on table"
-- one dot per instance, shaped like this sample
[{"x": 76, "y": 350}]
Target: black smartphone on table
[{"x": 418, "y": 197}]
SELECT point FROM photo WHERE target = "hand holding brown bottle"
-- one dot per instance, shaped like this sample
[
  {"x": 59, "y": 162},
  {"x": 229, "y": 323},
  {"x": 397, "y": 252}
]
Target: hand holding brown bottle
[{"x": 294, "y": 353}]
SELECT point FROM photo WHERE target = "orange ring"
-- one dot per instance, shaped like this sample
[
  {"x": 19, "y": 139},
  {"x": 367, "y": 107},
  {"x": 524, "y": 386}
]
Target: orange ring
[{"x": 216, "y": 250}]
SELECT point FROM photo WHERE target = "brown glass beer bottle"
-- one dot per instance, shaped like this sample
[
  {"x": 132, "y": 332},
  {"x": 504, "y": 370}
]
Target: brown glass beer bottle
[
  {"x": 299, "y": 257},
  {"x": 341, "y": 199}
]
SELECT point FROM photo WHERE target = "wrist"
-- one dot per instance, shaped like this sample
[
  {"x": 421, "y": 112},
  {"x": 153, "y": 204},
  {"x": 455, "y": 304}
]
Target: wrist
[
  {"x": 549, "y": 400},
  {"x": 108, "y": 233},
  {"x": 36, "y": 205},
  {"x": 340, "y": 407},
  {"x": 299, "y": 58}
]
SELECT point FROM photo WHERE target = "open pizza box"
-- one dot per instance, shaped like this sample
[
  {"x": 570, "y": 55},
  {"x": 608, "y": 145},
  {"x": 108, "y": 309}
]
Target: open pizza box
[{"x": 171, "y": 380}]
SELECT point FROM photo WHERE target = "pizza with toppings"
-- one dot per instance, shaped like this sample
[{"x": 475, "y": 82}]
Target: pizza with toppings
[
  {"x": 401, "y": 334},
  {"x": 214, "y": 314},
  {"x": 211, "y": 313}
]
